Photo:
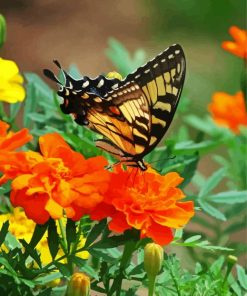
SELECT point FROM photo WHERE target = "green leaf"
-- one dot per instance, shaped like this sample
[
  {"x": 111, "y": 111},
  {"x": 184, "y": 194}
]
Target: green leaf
[
  {"x": 8, "y": 266},
  {"x": 53, "y": 238},
  {"x": 101, "y": 254},
  {"x": 70, "y": 232},
  {"x": 4, "y": 231},
  {"x": 189, "y": 170},
  {"x": 38, "y": 233},
  {"x": 14, "y": 109},
  {"x": 193, "y": 239},
  {"x": 217, "y": 265},
  {"x": 63, "y": 268},
  {"x": 212, "y": 182},
  {"x": 95, "y": 232},
  {"x": 211, "y": 210},
  {"x": 229, "y": 197},
  {"x": 31, "y": 252},
  {"x": 178, "y": 234},
  {"x": 47, "y": 278},
  {"x": 192, "y": 147},
  {"x": 90, "y": 271},
  {"x": 242, "y": 277}
]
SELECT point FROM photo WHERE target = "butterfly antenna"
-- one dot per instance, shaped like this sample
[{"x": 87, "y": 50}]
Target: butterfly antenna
[{"x": 49, "y": 74}]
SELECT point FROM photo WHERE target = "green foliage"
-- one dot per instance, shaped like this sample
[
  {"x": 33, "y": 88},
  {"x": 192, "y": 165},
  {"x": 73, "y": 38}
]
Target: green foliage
[{"x": 116, "y": 259}]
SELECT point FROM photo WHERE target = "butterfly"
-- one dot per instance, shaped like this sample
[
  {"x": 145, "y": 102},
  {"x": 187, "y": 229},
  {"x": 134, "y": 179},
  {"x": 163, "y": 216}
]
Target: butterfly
[{"x": 132, "y": 114}]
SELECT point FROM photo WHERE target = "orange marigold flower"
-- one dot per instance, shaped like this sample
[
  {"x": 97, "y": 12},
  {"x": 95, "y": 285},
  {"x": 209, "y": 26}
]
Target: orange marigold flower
[
  {"x": 237, "y": 47},
  {"x": 56, "y": 180},
  {"x": 151, "y": 204},
  {"x": 9, "y": 142},
  {"x": 229, "y": 111}
]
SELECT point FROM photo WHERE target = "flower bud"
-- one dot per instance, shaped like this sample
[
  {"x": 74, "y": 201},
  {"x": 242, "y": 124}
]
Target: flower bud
[
  {"x": 79, "y": 285},
  {"x": 153, "y": 258},
  {"x": 232, "y": 259},
  {"x": 2, "y": 30},
  {"x": 114, "y": 74}
]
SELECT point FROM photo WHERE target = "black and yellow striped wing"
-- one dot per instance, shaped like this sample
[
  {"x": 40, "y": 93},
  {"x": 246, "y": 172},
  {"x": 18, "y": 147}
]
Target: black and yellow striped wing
[{"x": 145, "y": 103}]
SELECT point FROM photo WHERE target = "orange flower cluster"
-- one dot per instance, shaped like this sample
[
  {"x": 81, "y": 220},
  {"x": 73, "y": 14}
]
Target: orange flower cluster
[
  {"x": 150, "y": 203},
  {"x": 229, "y": 111},
  {"x": 237, "y": 47},
  {"x": 56, "y": 180}
]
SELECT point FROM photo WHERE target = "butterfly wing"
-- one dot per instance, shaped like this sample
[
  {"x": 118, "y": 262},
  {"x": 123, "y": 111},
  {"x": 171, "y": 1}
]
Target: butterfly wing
[
  {"x": 147, "y": 100},
  {"x": 161, "y": 81}
]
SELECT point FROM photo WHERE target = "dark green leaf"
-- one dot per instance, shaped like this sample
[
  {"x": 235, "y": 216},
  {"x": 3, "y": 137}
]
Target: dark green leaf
[
  {"x": 53, "y": 238},
  {"x": 4, "y": 231},
  {"x": 70, "y": 232},
  {"x": 38, "y": 233},
  {"x": 95, "y": 232},
  {"x": 63, "y": 268},
  {"x": 31, "y": 252}
]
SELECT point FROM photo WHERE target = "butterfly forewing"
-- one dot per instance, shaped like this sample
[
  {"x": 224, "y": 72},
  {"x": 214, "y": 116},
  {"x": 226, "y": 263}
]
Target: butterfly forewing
[{"x": 158, "y": 84}]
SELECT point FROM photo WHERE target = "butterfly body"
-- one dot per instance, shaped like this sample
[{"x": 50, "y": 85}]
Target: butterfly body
[{"x": 132, "y": 114}]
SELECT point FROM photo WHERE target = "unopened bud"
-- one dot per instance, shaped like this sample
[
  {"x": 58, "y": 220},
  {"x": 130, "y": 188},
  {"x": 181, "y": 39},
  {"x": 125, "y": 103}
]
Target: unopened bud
[
  {"x": 2, "y": 30},
  {"x": 232, "y": 259},
  {"x": 79, "y": 285},
  {"x": 114, "y": 74},
  {"x": 153, "y": 258}
]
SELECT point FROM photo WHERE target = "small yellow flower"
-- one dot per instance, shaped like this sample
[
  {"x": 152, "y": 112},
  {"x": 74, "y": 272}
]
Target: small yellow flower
[
  {"x": 22, "y": 228},
  {"x": 11, "y": 89}
]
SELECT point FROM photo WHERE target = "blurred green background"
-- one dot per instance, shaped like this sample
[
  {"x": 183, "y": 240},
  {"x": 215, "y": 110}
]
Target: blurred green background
[{"x": 78, "y": 31}]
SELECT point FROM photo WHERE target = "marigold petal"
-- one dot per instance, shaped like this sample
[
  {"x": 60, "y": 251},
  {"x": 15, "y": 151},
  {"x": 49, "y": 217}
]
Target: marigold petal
[
  {"x": 161, "y": 235},
  {"x": 16, "y": 140},
  {"x": 118, "y": 223},
  {"x": 54, "y": 209},
  {"x": 238, "y": 34},
  {"x": 50, "y": 143},
  {"x": 34, "y": 206},
  {"x": 21, "y": 181},
  {"x": 102, "y": 211}
]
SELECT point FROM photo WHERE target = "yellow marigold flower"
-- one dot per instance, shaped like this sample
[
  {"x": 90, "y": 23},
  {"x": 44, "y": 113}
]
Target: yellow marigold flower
[
  {"x": 11, "y": 89},
  {"x": 22, "y": 228}
]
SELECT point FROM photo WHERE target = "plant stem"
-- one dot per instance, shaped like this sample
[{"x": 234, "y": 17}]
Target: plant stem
[{"x": 151, "y": 285}]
